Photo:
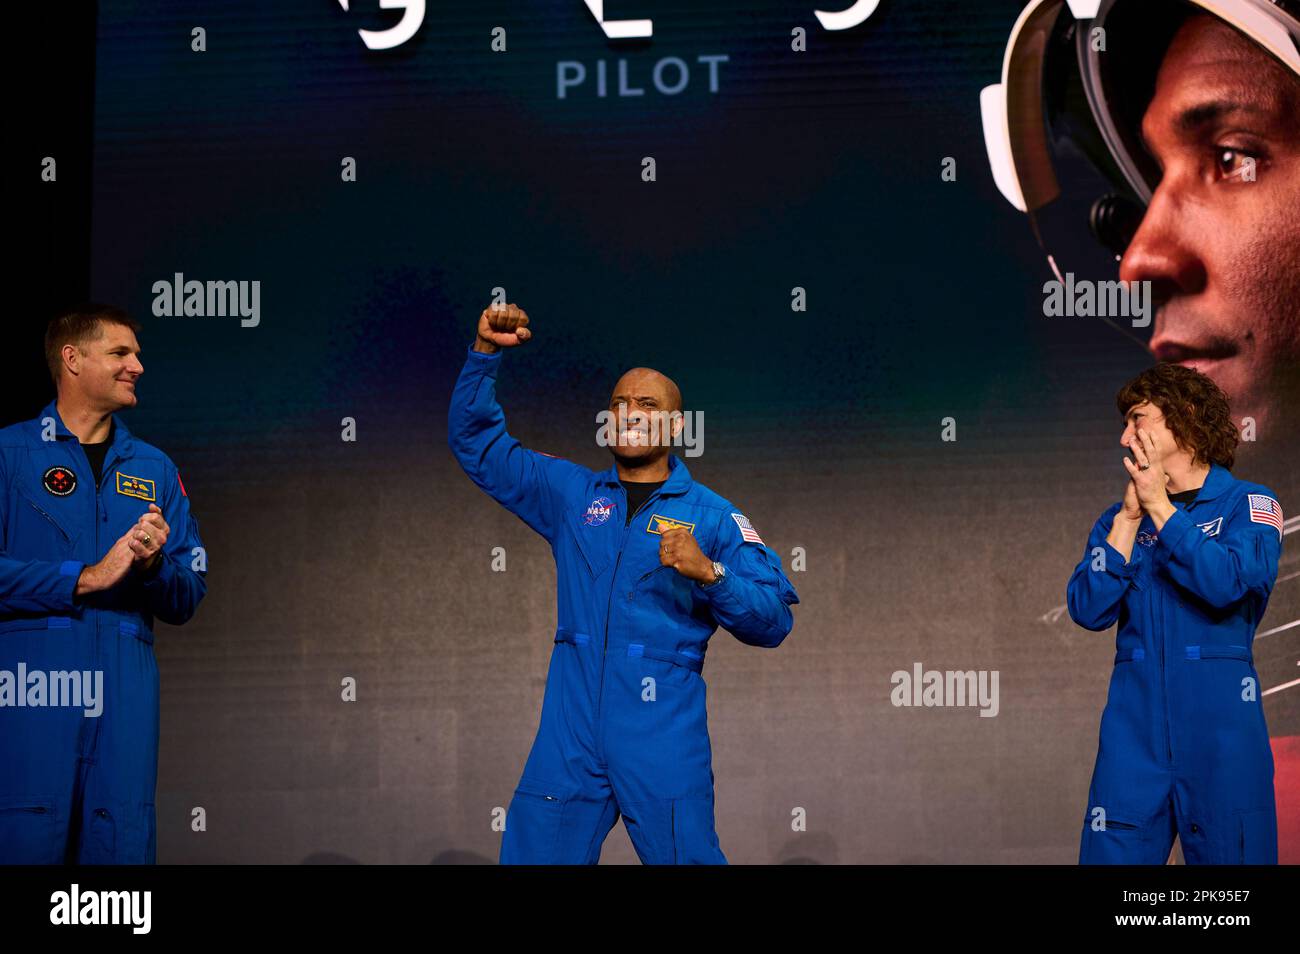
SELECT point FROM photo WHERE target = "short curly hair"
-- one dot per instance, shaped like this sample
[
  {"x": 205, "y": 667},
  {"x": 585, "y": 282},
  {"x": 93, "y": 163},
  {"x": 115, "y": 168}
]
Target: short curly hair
[{"x": 1195, "y": 408}]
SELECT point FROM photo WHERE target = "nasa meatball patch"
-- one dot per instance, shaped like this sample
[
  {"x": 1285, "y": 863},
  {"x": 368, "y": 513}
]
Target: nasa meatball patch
[
  {"x": 59, "y": 481},
  {"x": 598, "y": 511}
]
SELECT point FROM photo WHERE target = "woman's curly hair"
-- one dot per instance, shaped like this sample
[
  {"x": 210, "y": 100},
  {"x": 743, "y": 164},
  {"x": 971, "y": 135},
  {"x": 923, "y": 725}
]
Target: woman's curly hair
[{"x": 1196, "y": 410}]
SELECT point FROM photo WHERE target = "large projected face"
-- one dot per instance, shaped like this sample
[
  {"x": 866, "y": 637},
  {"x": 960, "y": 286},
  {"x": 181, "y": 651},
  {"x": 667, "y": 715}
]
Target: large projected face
[{"x": 1220, "y": 241}]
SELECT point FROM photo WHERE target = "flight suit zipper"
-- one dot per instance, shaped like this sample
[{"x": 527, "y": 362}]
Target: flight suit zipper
[
  {"x": 85, "y": 459},
  {"x": 1165, "y": 629},
  {"x": 1164, "y": 680},
  {"x": 101, "y": 515},
  {"x": 609, "y": 604}
]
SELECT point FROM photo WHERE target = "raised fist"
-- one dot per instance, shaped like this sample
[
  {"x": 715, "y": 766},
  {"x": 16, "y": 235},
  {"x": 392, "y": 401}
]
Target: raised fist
[{"x": 501, "y": 326}]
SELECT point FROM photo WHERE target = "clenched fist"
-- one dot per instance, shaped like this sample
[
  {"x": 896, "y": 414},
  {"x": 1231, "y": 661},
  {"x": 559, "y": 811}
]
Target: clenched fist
[
  {"x": 679, "y": 550},
  {"x": 501, "y": 326}
]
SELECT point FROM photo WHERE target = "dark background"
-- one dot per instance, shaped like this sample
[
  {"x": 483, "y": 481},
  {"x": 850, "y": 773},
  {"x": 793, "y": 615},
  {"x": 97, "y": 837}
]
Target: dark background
[{"x": 371, "y": 559}]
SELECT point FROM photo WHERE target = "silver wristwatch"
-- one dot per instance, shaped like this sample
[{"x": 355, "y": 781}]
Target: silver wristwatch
[{"x": 719, "y": 571}]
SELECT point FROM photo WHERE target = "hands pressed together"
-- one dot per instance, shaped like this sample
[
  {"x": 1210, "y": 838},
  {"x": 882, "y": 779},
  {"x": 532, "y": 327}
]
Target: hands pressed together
[
  {"x": 140, "y": 548},
  {"x": 1147, "y": 493},
  {"x": 1147, "y": 487}
]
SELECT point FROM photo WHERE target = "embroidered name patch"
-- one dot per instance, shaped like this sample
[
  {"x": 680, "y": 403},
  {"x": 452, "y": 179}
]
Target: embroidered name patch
[
  {"x": 659, "y": 524},
  {"x": 1212, "y": 528},
  {"x": 139, "y": 487}
]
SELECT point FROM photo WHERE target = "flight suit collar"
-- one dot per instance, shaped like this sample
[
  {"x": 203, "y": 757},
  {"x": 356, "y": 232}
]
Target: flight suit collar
[
  {"x": 679, "y": 478},
  {"x": 121, "y": 446},
  {"x": 1218, "y": 480}
]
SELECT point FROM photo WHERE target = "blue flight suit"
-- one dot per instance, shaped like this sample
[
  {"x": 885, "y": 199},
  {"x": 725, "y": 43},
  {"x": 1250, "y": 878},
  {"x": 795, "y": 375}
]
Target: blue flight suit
[
  {"x": 623, "y": 726},
  {"x": 73, "y": 787},
  {"x": 1184, "y": 749}
]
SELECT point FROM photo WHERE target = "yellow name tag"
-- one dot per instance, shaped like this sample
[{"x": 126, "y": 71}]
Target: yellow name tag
[
  {"x": 659, "y": 524},
  {"x": 138, "y": 487}
]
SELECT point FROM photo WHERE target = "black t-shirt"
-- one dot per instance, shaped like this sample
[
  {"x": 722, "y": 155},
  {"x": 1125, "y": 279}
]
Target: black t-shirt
[
  {"x": 1184, "y": 496},
  {"x": 638, "y": 492},
  {"x": 95, "y": 453}
]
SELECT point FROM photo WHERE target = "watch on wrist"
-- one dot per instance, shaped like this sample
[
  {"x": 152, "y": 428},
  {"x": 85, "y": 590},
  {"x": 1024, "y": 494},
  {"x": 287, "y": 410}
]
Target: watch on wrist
[{"x": 719, "y": 571}]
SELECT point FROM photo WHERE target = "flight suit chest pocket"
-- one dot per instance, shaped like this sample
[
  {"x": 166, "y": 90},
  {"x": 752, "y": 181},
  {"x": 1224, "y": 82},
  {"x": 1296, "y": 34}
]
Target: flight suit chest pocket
[
  {"x": 654, "y": 579},
  {"x": 666, "y": 587},
  {"x": 1145, "y": 602},
  {"x": 595, "y": 543},
  {"x": 1142, "y": 566},
  {"x": 40, "y": 530},
  {"x": 1143, "y": 560},
  {"x": 121, "y": 512}
]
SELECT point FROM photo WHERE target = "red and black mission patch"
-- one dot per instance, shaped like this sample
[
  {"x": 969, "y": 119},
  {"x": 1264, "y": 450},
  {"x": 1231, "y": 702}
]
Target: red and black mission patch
[{"x": 60, "y": 481}]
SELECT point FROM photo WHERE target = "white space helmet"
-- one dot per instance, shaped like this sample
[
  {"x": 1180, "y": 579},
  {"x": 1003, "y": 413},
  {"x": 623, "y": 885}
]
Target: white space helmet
[{"x": 1061, "y": 128}]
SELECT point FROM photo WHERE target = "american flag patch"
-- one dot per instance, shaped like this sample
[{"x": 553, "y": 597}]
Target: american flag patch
[
  {"x": 747, "y": 529},
  {"x": 1264, "y": 509}
]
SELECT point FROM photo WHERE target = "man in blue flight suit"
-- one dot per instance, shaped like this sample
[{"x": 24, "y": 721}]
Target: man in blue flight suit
[
  {"x": 649, "y": 564},
  {"x": 96, "y": 540},
  {"x": 1185, "y": 563}
]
